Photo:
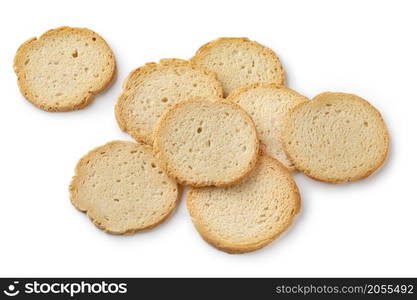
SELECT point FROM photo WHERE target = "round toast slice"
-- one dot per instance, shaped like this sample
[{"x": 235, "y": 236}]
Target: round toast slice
[
  {"x": 149, "y": 90},
  {"x": 64, "y": 68},
  {"x": 206, "y": 141},
  {"x": 268, "y": 104},
  {"x": 122, "y": 189},
  {"x": 249, "y": 215},
  {"x": 336, "y": 138},
  {"x": 239, "y": 61}
]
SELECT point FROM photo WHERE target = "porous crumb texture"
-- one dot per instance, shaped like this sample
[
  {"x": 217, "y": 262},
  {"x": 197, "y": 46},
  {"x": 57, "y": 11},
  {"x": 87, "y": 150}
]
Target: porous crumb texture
[
  {"x": 336, "y": 138},
  {"x": 239, "y": 61},
  {"x": 268, "y": 104},
  {"x": 206, "y": 141},
  {"x": 249, "y": 215},
  {"x": 64, "y": 68},
  {"x": 122, "y": 188},
  {"x": 149, "y": 90}
]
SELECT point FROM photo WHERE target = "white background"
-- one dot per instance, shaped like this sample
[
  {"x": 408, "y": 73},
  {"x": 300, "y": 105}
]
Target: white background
[{"x": 366, "y": 228}]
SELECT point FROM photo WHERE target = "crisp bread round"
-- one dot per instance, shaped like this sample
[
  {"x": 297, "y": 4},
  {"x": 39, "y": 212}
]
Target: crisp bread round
[
  {"x": 149, "y": 90},
  {"x": 64, "y": 68},
  {"x": 247, "y": 216},
  {"x": 268, "y": 104},
  {"x": 206, "y": 141},
  {"x": 336, "y": 137},
  {"x": 239, "y": 61},
  {"x": 122, "y": 189}
]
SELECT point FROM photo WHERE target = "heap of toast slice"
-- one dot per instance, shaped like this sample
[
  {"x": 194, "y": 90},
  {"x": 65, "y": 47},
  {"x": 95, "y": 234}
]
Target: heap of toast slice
[{"x": 222, "y": 123}]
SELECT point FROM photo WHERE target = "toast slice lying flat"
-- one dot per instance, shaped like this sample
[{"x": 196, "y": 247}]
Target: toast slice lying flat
[
  {"x": 336, "y": 137},
  {"x": 150, "y": 90},
  {"x": 206, "y": 141},
  {"x": 247, "y": 216},
  {"x": 268, "y": 104},
  {"x": 122, "y": 189},
  {"x": 239, "y": 61},
  {"x": 64, "y": 68}
]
